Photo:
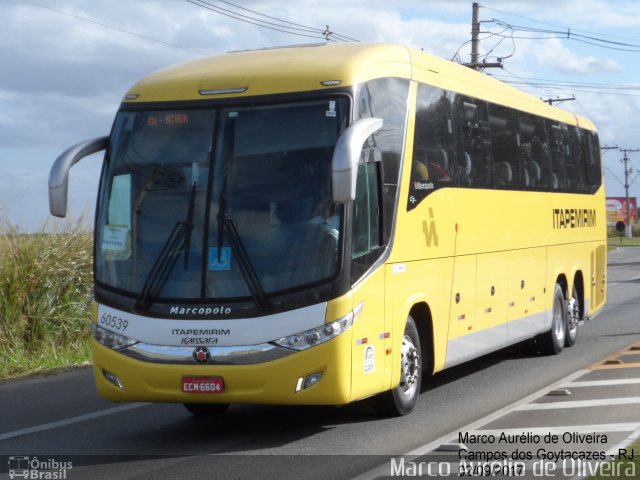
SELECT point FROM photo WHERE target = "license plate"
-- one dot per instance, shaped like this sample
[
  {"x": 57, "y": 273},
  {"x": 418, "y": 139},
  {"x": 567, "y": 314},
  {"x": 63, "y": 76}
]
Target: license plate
[{"x": 202, "y": 384}]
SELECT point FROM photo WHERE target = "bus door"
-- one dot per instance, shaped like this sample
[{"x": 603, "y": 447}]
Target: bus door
[{"x": 370, "y": 334}]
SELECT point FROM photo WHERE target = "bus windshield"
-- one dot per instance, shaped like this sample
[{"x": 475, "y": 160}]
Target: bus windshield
[{"x": 226, "y": 203}]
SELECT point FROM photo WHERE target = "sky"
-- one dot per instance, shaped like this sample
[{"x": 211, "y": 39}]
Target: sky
[{"x": 66, "y": 64}]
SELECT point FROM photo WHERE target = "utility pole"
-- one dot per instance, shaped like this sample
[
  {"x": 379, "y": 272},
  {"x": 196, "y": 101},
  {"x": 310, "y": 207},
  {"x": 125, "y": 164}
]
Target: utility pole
[
  {"x": 551, "y": 101},
  {"x": 627, "y": 171},
  {"x": 475, "y": 42},
  {"x": 475, "y": 33}
]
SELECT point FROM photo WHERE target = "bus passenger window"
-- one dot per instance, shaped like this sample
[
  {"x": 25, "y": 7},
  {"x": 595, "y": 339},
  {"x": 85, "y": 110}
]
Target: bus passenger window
[
  {"x": 593, "y": 156},
  {"x": 473, "y": 142},
  {"x": 434, "y": 164},
  {"x": 508, "y": 171},
  {"x": 534, "y": 151},
  {"x": 577, "y": 161},
  {"x": 561, "y": 179}
]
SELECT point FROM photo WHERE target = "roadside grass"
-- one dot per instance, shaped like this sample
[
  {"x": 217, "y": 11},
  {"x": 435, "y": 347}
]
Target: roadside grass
[
  {"x": 622, "y": 468},
  {"x": 45, "y": 299},
  {"x": 624, "y": 242}
]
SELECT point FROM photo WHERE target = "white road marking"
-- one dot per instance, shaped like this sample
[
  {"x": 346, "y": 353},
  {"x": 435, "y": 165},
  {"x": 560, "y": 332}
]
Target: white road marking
[
  {"x": 603, "y": 383},
  {"x": 584, "y": 429},
  {"x": 70, "y": 421},
  {"x": 600, "y": 402},
  {"x": 383, "y": 470}
]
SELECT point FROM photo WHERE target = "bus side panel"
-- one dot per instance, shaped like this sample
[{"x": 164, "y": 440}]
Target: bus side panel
[
  {"x": 463, "y": 297},
  {"x": 597, "y": 278},
  {"x": 526, "y": 297},
  {"x": 412, "y": 283},
  {"x": 369, "y": 358},
  {"x": 491, "y": 305},
  {"x": 562, "y": 261}
]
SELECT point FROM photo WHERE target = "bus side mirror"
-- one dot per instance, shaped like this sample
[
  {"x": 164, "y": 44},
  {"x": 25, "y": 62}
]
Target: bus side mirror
[
  {"x": 344, "y": 165},
  {"x": 59, "y": 175}
]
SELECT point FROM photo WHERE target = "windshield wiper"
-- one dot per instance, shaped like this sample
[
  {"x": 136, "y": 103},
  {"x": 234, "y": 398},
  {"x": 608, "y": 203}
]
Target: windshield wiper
[
  {"x": 227, "y": 225},
  {"x": 179, "y": 240},
  {"x": 189, "y": 225}
]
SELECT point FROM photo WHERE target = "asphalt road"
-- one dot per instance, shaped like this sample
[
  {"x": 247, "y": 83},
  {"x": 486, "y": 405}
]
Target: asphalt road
[{"x": 60, "y": 418}]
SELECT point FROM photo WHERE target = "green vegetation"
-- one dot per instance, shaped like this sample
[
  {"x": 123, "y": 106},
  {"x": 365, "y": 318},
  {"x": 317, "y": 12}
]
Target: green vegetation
[
  {"x": 624, "y": 242},
  {"x": 616, "y": 241},
  {"x": 45, "y": 299},
  {"x": 623, "y": 469}
]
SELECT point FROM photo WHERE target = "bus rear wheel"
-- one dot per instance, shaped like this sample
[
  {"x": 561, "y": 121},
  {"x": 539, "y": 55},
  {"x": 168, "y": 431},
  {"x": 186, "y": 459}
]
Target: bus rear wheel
[
  {"x": 206, "y": 408},
  {"x": 553, "y": 341},
  {"x": 402, "y": 399},
  {"x": 573, "y": 318}
]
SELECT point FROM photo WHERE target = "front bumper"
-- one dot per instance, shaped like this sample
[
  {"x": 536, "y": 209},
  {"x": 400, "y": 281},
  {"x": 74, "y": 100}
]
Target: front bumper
[{"x": 271, "y": 382}]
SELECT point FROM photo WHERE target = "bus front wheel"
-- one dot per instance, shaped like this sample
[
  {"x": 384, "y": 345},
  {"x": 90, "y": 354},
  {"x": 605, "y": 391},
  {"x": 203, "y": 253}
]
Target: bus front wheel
[
  {"x": 402, "y": 399},
  {"x": 552, "y": 342}
]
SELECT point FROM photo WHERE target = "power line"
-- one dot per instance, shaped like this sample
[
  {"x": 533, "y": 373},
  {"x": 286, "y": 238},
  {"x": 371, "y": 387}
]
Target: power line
[
  {"x": 584, "y": 87},
  {"x": 321, "y": 31},
  {"x": 118, "y": 29},
  {"x": 559, "y": 26},
  {"x": 279, "y": 25},
  {"x": 291, "y": 14},
  {"x": 241, "y": 16},
  {"x": 614, "y": 175},
  {"x": 572, "y": 83},
  {"x": 259, "y": 23},
  {"x": 567, "y": 34}
]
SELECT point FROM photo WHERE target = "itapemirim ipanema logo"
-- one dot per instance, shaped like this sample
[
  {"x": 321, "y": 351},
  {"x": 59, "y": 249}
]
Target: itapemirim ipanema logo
[
  {"x": 429, "y": 230},
  {"x": 38, "y": 469}
]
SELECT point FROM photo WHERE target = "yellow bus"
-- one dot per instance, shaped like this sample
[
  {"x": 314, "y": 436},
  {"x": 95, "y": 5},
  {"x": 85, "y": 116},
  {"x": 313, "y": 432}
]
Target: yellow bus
[{"x": 321, "y": 224}]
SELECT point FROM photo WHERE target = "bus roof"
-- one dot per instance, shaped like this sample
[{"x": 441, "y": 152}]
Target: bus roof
[{"x": 315, "y": 67}]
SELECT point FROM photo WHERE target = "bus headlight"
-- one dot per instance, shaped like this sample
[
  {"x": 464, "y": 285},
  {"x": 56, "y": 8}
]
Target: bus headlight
[
  {"x": 321, "y": 334},
  {"x": 111, "y": 339}
]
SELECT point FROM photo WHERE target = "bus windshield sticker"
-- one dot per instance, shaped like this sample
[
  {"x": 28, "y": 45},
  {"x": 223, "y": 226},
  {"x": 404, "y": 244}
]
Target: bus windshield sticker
[
  {"x": 222, "y": 261},
  {"x": 332, "y": 109},
  {"x": 115, "y": 239}
]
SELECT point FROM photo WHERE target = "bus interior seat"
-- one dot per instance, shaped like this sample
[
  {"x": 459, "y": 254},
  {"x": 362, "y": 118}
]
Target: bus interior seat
[
  {"x": 503, "y": 174},
  {"x": 464, "y": 170},
  {"x": 438, "y": 164},
  {"x": 534, "y": 171}
]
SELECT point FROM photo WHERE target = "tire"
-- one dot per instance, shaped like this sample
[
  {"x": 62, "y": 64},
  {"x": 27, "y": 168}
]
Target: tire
[
  {"x": 206, "y": 408},
  {"x": 573, "y": 317},
  {"x": 552, "y": 342},
  {"x": 402, "y": 399}
]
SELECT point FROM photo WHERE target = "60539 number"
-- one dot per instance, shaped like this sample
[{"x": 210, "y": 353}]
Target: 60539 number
[{"x": 114, "y": 321}]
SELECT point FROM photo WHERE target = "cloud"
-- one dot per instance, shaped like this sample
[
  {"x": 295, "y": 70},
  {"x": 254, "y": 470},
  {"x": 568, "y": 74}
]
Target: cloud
[{"x": 553, "y": 54}]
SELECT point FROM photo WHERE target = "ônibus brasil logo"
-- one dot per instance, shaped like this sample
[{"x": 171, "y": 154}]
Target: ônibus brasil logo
[{"x": 27, "y": 467}]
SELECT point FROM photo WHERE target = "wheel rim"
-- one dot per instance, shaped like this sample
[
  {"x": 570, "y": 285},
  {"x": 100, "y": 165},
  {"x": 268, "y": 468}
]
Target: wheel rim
[
  {"x": 558, "y": 320},
  {"x": 410, "y": 370},
  {"x": 574, "y": 317}
]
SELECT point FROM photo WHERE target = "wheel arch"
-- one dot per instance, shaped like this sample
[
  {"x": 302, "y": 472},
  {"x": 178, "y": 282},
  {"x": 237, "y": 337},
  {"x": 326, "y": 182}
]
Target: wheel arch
[
  {"x": 578, "y": 282},
  {"x": 564, "y": 284},
  {"x": 421, "y": 314}
]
